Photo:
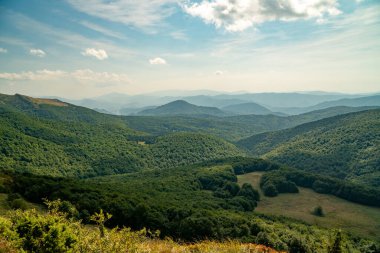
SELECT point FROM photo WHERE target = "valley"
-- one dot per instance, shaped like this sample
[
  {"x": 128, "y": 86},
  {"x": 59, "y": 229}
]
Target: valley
[
  {"x": 195, "y": 176},
  {"x": 190, "y": 126}
]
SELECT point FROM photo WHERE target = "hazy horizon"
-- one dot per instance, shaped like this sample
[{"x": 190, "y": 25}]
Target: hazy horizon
[{"x": 81, "y": 49}]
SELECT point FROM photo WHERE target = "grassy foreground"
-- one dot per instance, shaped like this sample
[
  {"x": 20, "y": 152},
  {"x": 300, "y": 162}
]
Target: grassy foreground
[
  {"x": 338, "y": 213},
  {"x": 54, "y": 231}
]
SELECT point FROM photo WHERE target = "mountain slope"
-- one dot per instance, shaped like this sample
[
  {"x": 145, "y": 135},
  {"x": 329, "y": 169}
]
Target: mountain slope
[
  {"x": 181, "y": 107},
  {"x": 353, "y": 102},
  {"x": 231, "y": 128},
  {"x": 65, "y": 140},
  {"x": 247, "y": 108},
  {"x": 345, "y": 146}
]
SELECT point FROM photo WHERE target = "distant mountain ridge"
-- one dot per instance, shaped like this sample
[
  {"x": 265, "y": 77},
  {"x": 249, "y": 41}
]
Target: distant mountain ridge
[
  {"x": 247, "y": 108},
  {"x": 351, "y": 102},
  {"x": 181, "y": 107},
  {"x": 288, "y": 103}
]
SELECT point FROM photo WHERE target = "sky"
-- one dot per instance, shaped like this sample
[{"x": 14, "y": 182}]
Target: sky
[{"x": 86, "y": 48}]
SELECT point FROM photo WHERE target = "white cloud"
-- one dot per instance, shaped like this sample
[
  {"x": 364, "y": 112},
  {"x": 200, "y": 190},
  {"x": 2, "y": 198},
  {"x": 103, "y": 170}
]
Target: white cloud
[
  {"x": 38, "y": 75},
  {"x": 89, "y": 75},
  {"x": 3, "y": 50},
  {"x": 157, "y": 61},
  {"x": 238, "y": 15},
  {"x": 37, "y": 52},
  {"x": 83, "y": 75},
  {"x": 100, "y": 54},
  {"x": 141, "y": 14},
  {"x": 218, "y": 72}
]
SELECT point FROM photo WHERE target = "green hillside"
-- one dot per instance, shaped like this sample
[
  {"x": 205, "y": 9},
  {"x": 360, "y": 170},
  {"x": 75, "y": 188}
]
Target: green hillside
[
  {"x": 181, "y": 107},
  {"x": 231, "y": 128},
  {"x": 65, "y": 140},
  {"x": 345, "y": 146}
]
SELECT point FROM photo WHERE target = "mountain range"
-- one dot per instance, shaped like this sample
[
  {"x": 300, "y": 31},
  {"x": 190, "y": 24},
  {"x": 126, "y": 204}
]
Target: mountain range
[{"x": 285, "y": 103}]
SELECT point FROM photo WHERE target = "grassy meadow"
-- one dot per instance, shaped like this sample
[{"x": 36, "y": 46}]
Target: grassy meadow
[{"x": 355, "y": 218}]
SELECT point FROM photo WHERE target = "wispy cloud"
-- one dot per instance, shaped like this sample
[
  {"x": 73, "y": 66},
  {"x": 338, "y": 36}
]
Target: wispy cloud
[
  {"x": 3, "y": 50},
  {"x": 143, "y": 14},
  {"x": 15, "y": 42},
  {"x": 38, "y": 75},
  {"x": 103, "y": 77},
  {"x": 83, "y": 75},
  {"x": 238, "y": 15},
  {"x": 99, "y": 54},
  {"x": 157, "y": 61},
  {"x": 61, "y": 36},
  {"x": 179, "y": 35},
  {"x": 37, "y": 52},
  {"x": 219, "y": 73},
  {"x": 106, "y": 31}
]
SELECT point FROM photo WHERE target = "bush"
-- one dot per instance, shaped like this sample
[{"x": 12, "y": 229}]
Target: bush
[
  {"x": 18, "y": 204},
  {"x": 270, "y": 190},
  {"x": 318, "y": 211}
]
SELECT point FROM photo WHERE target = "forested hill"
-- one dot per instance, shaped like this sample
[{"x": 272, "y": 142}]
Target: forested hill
[
  {"x": 345, "y": 146},
  {"x": 231, "y": 128},
  {"x": 53, "y": 109},
  {"x": 48, "y": 137},
  {"x": 181, "y": 107}
]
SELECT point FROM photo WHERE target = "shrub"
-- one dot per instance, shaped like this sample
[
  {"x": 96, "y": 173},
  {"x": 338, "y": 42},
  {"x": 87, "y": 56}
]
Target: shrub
[
  {"x": 318, "y": 211},
  {"x": 270, "y": 190}
]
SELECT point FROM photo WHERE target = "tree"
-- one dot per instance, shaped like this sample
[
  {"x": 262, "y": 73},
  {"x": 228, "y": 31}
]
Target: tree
[
  {"x": 270, "y": 190},
  {"x": 318, "y": 211}
]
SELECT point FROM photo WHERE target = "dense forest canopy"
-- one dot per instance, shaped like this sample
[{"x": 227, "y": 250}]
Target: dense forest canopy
[{"x": 178, "y": 174}]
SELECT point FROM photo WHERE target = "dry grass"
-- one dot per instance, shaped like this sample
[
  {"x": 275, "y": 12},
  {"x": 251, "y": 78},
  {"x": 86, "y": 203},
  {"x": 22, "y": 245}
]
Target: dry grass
[
  {"x": 339, "y": 213},
  {"x": 46, "y": 101},
  {"x": 167, "y": 246}
]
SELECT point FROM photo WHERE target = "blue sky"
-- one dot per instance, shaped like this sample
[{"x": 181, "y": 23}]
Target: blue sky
[{"x": 86, "y": 48}]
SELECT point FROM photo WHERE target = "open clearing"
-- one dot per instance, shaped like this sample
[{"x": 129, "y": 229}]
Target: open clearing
[{"x": 339, "y": 213}]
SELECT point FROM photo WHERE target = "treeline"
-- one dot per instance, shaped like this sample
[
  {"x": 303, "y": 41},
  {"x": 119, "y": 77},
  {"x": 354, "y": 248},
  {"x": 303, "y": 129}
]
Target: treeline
[
  {"x": 286, "y": 180},
  {"x": 188, "y": 212},
  {"x": 201, "y": 197}
]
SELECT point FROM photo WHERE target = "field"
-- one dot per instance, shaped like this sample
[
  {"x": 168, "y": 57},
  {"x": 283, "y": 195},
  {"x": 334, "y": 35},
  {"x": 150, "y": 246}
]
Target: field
[{"x": 358, "y": 219}]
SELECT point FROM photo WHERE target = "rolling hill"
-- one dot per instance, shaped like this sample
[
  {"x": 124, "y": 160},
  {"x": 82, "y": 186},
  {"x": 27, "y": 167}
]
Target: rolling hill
[
  {"x": 247, "y": 108},
  {"x": 49, "y": 137},
  {"x": 345, "y": 146},
  {"x": 231, "y": 128},
  {"x": 181, "y": 107}
]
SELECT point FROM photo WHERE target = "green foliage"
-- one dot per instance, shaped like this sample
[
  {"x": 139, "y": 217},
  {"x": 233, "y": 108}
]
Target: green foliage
[
  {"x": 43, "y": 233},
  {"x": 336, "y": 246}
]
